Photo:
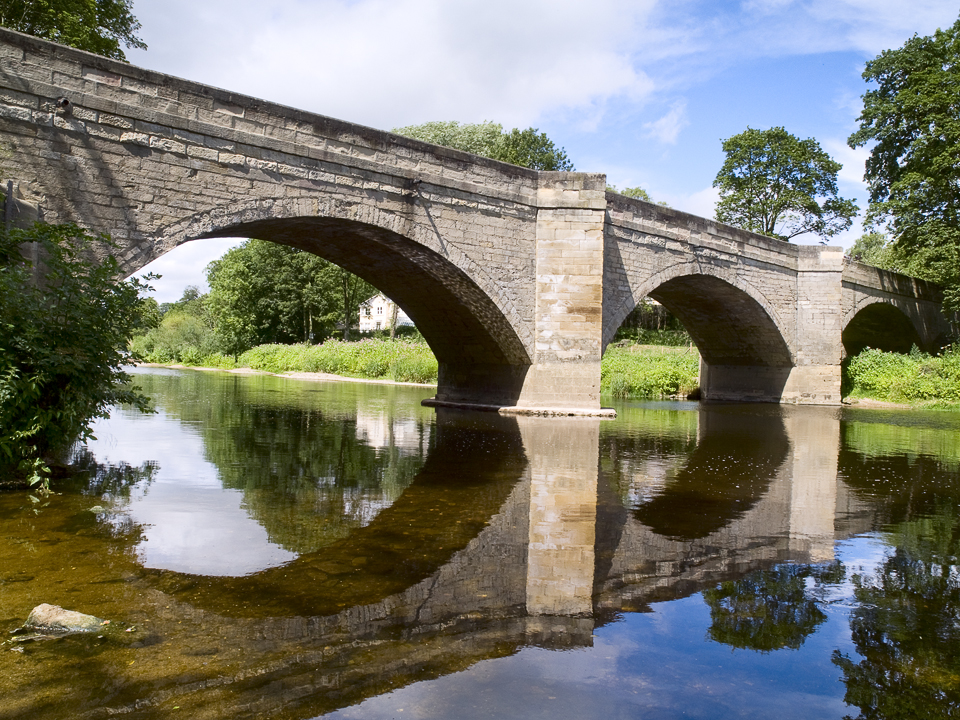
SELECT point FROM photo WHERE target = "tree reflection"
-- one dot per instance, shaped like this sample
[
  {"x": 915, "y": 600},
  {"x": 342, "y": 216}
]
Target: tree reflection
[
  {"x": 906, "y": 626},
  {"x": 770, "y": 609}
]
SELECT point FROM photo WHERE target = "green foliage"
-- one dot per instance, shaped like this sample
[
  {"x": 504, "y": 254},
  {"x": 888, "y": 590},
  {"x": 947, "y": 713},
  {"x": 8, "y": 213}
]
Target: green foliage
[
  {"x": 910, "y": 117},
  {"x": 650, "y": 323},
  {"x": 63, "y": 338},
  {"x": 632, "y": 192},
  {"x": 905, "y": 628},
  {"x": 400, "y": 360},
  {"x": 776, "y": 184},
  {"x": 263, "y": 293},
  {"x": 528, "y": 148},
  {"x": 531, "y": 149},
  {"x": 874, "y": 248},
  {"x": 97, "y": 26},
  {"x": 904, "y": 378},
  {"x": 768, "y": 609},
  {"x": 649, "y": 371},
  {"x": 477, "y": 138}
]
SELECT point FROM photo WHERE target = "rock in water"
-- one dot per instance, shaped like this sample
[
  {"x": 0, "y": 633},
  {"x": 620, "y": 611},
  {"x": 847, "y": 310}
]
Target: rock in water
[{"x": 53, "y": 618}]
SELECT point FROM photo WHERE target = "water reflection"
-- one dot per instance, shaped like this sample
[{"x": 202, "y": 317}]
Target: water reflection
[{"x": 435, "y": 559}]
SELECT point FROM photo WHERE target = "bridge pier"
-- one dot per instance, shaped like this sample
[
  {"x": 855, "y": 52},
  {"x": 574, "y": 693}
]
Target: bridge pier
[{"x": 564, "y": 377}]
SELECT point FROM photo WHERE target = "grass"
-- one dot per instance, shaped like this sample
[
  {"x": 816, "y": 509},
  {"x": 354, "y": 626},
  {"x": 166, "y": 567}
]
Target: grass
[{"x": 649, "y": 371}]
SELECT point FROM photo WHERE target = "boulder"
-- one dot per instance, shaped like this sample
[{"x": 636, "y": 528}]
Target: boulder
[{"x": 53, "y": 618}]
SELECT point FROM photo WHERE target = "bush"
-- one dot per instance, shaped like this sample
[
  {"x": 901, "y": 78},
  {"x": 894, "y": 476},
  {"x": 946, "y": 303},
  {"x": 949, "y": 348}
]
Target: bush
[
  {"x": 893, "y": 376},
  {"x": 63, "y": 341}
]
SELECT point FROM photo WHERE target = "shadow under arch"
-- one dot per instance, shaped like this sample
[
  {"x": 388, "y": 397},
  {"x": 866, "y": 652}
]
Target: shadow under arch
[
  {"x": 437, "y": 515},
  {"x": 738, "y": 455},
  {"x": 880, "y": 325}
]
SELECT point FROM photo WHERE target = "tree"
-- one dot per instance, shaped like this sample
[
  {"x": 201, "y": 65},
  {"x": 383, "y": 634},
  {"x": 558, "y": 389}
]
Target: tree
[
  {"x": 904, "y": 625},
  {"x": 873, "y": 248},
  {"x": 63, "y": 342},
  {"x": 532, "y": 149},
  {"x": 262, "y": 292},
  {"x": 632, "y": 192},
  {"x": 528, "y": 148},
  {"x": 776, "y": 184},
  {"x": 97, "y": 26},
  {"x": 913, "y": 118}
]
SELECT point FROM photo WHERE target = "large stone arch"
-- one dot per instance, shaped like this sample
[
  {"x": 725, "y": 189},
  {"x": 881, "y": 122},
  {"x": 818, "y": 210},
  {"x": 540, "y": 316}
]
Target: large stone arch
[
  {"x": 462, "y": 311},
  {"x": 731, "y": 321}
]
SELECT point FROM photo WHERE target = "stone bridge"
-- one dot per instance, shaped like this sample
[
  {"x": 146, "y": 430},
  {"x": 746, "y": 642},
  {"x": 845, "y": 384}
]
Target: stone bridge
[{"x": 518, "y": 279}]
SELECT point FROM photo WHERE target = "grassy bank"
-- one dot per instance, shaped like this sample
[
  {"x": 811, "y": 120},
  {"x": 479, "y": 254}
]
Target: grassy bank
[
  {"x": 649, "y": 371},
  {"x": 637, "y": 371},
  {"x": 398, "y": 360},
  {"x": 916, "y": 378}
]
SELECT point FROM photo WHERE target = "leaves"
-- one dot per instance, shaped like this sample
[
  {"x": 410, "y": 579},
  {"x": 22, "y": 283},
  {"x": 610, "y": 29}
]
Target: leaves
[
  {"x": 62, "y": 345},
  {"x": 97, "y": 26},
  {"x": 912, "y": 118},
  {"x": 776, "y": 184},
  {"x": 527, "y": 148}
]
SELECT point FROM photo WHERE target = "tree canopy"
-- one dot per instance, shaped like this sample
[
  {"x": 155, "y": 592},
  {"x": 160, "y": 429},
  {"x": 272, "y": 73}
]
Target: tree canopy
[
  {"x": 912, "y": 117},
  {"x": 97, "y": 26},
  {"x": 528, "y": 148},
  {"x": 776, "y": 184},
  {"x": 262, "y": 292}
]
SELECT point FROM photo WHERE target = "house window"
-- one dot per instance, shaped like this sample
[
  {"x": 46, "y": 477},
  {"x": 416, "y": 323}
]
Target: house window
[
  {"x": 380, "y": 310},
  {"x": 378, "y": 324},
  {"x": 367, "y": 311}
]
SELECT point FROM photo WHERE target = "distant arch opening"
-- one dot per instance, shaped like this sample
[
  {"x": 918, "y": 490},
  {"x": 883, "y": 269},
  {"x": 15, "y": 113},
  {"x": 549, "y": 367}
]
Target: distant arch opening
[{"x": 880, "y": 325}]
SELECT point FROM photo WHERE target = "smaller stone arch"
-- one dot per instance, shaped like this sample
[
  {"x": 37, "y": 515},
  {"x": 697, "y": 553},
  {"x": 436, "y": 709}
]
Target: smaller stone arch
[
  {"x": 731, "y": 322},
  {"x": 880, "y": 324}
]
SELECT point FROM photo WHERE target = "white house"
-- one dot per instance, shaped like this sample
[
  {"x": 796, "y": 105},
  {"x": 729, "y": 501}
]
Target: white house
[{"x": 377, "y": 314}]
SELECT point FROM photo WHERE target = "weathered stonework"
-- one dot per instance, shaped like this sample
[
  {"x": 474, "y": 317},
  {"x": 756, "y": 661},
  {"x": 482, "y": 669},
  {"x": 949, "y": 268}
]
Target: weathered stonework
[{"x": 518, "y": 279}]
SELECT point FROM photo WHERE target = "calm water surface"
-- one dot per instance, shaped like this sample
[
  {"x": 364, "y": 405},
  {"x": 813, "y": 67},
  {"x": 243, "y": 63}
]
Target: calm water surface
[{"x": 269, "y": 548}]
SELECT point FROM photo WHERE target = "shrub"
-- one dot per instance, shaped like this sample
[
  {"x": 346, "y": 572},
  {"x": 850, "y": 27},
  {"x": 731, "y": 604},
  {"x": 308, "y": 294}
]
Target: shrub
[
  {"x": 63, "y": 341},
  {"x": 897, "y": 377}
]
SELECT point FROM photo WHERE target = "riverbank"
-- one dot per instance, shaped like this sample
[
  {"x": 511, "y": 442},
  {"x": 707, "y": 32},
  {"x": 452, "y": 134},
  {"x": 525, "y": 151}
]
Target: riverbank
[
  {"x": 871, "y": 379},
  {"x": 315, "y": 376}
]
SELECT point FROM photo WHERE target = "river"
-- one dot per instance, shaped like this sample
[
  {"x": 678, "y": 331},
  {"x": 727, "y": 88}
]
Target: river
[{"x": 277, "y": 548}]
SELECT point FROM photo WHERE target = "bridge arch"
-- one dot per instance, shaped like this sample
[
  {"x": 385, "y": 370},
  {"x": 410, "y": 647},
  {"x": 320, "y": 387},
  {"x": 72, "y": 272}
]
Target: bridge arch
[
  {"x": 882, "y": 324},
  {"x": 466, "y": 316},
  {"x": 731, "y": 322}
]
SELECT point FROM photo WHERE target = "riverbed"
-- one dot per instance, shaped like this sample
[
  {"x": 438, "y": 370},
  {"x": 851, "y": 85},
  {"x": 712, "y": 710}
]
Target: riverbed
[{"x": 282, "y": 548}]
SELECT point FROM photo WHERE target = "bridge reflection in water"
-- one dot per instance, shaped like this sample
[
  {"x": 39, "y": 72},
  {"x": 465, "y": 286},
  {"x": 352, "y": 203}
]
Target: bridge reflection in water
[{"x": 516, "y": 532}]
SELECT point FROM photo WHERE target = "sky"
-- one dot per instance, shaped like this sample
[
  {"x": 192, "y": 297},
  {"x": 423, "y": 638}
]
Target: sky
[{"x": 642, "y": 90}]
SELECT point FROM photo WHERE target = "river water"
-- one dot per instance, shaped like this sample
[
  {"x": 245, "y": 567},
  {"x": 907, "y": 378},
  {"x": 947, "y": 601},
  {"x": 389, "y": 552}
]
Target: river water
[{"x": 276, "y": 548}]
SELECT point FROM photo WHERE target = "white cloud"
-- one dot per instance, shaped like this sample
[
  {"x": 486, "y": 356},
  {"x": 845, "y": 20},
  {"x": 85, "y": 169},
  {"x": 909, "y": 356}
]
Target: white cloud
[
  {"x": 852, "y": 159},
  {"x": 702, "y": 203},
  {"x": 668, "y": 127},
  {"x": 393, "y": 62},
  {"x": 185, "y": 265}
]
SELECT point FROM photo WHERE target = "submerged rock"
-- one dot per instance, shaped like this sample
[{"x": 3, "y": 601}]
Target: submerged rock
[{"x": 53, "y": 618}]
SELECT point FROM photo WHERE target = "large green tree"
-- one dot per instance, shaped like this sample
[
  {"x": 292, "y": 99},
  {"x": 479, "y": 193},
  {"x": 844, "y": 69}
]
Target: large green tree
[
  {"x": 263, "y": 292},
  {"x": 528, "y": 148},
  {"x": 776, "y": 184},
  {"x": 912, "y": 120},
  {"x": 97, "y": 26}
]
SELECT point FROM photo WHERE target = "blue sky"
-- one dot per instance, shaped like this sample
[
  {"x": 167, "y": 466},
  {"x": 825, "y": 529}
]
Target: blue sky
[{"x": 643, "y": 90}]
